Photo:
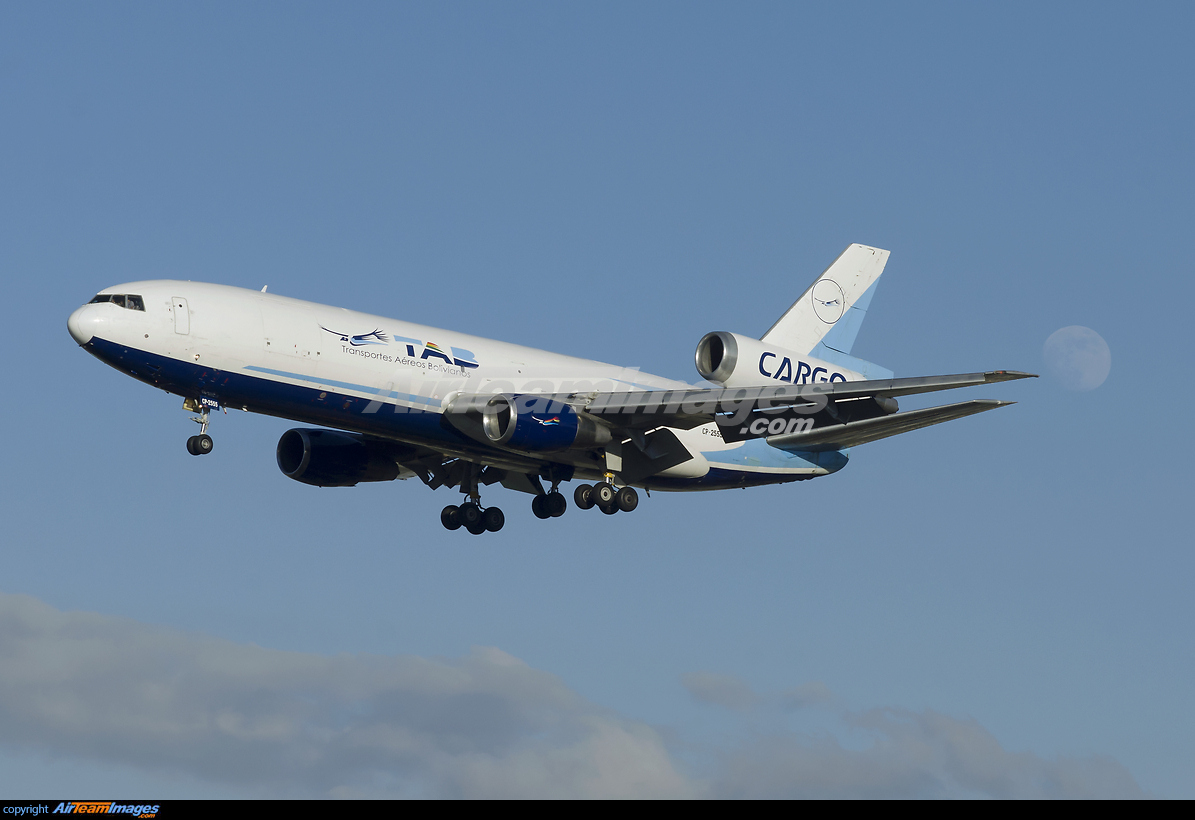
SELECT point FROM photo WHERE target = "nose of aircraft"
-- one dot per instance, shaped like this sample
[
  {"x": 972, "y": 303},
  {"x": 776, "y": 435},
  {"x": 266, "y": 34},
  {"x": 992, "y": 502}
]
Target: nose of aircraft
[{"x": 82, "y": 324}]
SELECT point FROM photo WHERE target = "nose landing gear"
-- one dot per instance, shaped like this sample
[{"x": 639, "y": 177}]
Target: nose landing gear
[{"x": 201, "y": 444}]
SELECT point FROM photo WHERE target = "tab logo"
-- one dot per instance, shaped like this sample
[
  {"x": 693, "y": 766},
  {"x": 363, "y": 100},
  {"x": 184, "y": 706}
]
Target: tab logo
[
  {"x": 416, "y": 348},
  {"x": 431, "y": 350}
]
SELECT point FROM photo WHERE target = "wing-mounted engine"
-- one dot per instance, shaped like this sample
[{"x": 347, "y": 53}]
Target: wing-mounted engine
[
  {"x": 328, "y": 458},
  {"x": 734, "y": 360},
  {"x": 528, "y": 422}
]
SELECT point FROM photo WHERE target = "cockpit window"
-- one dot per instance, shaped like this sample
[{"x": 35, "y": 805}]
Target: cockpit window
[{"x": 124, "y": 300}]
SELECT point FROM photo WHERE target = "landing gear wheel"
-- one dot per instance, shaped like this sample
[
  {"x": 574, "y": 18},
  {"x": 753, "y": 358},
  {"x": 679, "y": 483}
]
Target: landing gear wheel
[
  {"x": 493, "y": 519},
  {"x": 555, "y": 504},
  {"x": 608, "y": 509},
  {"x": 476, "y": 529},
  {"x": 627, "y": 499},
  {"x": 200, "y": 445},
  {"x": 539, "y": 506},
  {"x": 583, "y": 497},
  {"x": 603, "y": 494},
  {"x": 450, "y": 517},
  {"x": 470, "y": 515}
]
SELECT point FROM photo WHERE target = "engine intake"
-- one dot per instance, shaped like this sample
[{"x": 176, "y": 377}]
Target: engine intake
[
  {"x": 537, "y": 424},
  {"x": 717, "y": 356},
  {"x": 327, "y": 458},
  {"x": 733, "y": 360}
]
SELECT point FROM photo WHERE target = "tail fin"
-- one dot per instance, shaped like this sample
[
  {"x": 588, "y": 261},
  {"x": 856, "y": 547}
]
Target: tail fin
[{"x": 826, "y": 319}]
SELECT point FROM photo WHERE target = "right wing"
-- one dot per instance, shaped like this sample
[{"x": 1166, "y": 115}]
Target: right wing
[{"x": 686, "y": 409}]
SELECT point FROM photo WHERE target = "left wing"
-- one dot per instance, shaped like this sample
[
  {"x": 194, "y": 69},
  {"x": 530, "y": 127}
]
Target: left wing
[{"x": 637, "y": 411}]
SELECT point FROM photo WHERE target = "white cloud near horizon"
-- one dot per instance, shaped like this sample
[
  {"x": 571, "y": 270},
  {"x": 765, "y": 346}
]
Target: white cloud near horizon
[
  {"x": 296, "y": 724},
  {"x": 113, "y": 690}
]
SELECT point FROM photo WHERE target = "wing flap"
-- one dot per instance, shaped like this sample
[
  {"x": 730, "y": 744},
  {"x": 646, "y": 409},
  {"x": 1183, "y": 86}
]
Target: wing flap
[{"x": 852, "y": 434}]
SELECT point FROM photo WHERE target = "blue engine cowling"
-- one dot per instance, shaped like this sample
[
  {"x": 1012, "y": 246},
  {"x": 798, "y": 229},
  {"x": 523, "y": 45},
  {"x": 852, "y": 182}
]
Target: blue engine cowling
[
  {"x": 530, "y": 422},
  {"x": 327, "y": 458}
]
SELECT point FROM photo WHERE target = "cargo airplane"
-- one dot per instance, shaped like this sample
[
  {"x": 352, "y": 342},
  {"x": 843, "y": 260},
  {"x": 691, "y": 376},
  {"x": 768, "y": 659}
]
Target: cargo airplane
[{"x": 395, "y": 400}]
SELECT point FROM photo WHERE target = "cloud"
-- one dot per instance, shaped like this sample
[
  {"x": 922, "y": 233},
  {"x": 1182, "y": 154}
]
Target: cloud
[
  {"x": 726, "y": 691},
  {"x": 914, "y": 755},
  {"x": 902, "y": 754},
  {"x": 115, "y": 690},
  {"x": 96, "y": 687}
]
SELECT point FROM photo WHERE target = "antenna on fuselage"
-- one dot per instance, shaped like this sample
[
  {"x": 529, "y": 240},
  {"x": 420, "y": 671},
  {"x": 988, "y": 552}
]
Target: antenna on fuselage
[{"x": 263, "y": 288}]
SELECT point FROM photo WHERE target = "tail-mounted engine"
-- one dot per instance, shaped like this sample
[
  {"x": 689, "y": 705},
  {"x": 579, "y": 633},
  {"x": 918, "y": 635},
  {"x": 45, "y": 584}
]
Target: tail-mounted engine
[
  {"x": 327, "y": 458},
  {"x": 732, "y": 360}
]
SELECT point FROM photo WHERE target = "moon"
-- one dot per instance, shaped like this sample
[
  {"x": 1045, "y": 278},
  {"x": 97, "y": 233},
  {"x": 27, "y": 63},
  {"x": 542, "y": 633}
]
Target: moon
[{"x": 1078, "y": 357}]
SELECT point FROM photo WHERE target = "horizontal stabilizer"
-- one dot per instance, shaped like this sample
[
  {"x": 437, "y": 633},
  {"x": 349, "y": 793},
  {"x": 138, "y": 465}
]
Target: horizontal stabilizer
[{"x": 841, "y": 436}]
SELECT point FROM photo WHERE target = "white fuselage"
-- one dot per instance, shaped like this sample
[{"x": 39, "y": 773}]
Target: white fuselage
[{"x": 383, "y": 377}]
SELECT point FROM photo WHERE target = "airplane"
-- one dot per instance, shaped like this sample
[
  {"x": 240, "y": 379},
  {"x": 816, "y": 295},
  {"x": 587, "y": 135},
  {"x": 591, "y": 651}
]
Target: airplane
[{"x": 396, "y": 400}]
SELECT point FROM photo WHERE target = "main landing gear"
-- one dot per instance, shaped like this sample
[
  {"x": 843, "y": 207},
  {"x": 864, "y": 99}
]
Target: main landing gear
[
  {"x": 471, "y": 515},
  {"x": 477, "y": 519},
  {"x": 606, "y": 497},
  {"x": 550, "y": 504},
  {"x": 201, "y": 444}
]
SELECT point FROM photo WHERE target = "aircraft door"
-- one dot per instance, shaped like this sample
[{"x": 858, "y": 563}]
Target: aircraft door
[{"x": 182, "y": 315}]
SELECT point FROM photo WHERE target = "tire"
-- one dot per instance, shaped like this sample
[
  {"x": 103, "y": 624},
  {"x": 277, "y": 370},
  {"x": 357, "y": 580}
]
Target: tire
[
  {"x": 450, "y": 517},
  {"x": 603, "y": 494},
  {"x": 540, "y": 507},
  {"x": 555, "y": 504},
  {"x": 493, "y": 519},
  {"x": 203, "y": 444},
  {"x": 583, "y": 497},
  {"x": 470, "y": 515},
  {"x": 191, "y": 446},
  {"x": 627, "y": 499},
  {"x": 476, "y": 529},
  {"x": 608, "y": 509}
]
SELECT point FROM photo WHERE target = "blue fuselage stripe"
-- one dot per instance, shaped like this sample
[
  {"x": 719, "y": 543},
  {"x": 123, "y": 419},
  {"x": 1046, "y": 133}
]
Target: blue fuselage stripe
[
  {"x": 369, "y": 415},
  {"x": 360, "y": 388}
]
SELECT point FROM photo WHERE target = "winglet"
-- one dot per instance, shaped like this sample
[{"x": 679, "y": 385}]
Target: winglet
[{"x": 1006, "y": 376}]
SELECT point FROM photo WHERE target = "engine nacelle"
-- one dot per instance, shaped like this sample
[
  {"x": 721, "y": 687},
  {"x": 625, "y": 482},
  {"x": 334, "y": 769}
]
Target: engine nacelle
[
  {"x": 733, "y": 360},
  {"x": 328, "y": 458},
  {"x": 533, "y": 423}
]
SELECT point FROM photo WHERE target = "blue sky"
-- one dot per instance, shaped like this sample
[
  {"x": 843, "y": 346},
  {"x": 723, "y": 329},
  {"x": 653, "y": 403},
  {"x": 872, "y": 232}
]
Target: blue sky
[{"x": 1010, "y": 592}]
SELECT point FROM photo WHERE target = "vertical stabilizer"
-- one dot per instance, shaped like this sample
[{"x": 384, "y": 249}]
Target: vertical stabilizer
[{"x": 830, "y": 313}]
